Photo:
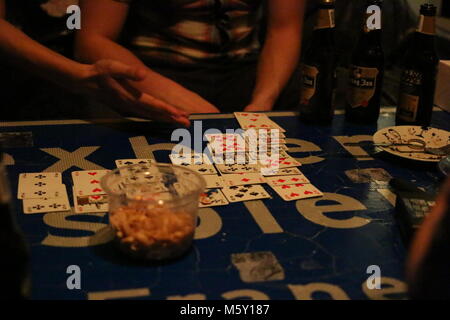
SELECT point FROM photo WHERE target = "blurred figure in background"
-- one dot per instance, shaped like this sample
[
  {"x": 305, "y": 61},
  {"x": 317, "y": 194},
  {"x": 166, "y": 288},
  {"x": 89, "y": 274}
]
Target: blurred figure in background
[
  {"x": 428, "y": 267},
  {"x": 201, "y": 56}
]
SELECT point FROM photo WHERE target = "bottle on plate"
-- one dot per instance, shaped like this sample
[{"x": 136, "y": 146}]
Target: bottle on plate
[
  {"x": 14, "y": 273},
  {"x": 367, "y": 70},
  {"x": 418, "y": 82},
  {"x": 319, "y": 69}
]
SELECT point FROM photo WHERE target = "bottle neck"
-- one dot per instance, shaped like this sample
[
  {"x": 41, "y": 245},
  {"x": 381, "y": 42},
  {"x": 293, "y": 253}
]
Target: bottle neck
[
  {"x": 427, "y": 25},
  {"x": 325, "y": 19}
]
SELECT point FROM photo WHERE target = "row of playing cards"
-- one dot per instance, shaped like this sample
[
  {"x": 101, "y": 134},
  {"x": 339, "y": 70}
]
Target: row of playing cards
[
  {"x": 248, "y": 120},
  {"x": 42, "y": 192}
]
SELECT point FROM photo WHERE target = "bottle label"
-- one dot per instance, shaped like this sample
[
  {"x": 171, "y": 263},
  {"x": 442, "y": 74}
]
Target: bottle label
[
  {"x": 309, "y": 83},
  {"x": 427, "y": 25},
  {"x": 409, "y": 95},
  {"x": 408, "y": 105},
  {"x": 325, "y": 19},
  {"x": 362, "y": 85}
]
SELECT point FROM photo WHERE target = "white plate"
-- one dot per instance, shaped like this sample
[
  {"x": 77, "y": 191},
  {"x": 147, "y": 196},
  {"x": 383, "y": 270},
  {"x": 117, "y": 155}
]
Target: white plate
[{"x": 433, "y": 138}]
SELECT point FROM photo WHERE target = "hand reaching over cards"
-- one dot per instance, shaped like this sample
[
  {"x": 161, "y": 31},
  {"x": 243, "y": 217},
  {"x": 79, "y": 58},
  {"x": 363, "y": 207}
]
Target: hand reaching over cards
[{"x": 107, "y": 81}]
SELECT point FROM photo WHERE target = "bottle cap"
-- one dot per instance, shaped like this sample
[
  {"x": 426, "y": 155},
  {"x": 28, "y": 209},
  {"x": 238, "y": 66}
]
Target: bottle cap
[{"x": 428, "y": 9}]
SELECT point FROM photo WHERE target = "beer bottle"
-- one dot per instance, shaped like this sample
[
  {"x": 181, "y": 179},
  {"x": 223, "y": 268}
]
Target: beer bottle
[
  {"x": 367, "y": 70},
  {"x": 319, "y": 69},
  {"x": 418, "y": 82},
  {"x": 14, "y": 276}
]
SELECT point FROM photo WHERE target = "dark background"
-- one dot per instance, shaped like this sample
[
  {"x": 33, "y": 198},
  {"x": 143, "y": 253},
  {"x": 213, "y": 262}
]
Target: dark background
[{"x": 24, "y": 97}]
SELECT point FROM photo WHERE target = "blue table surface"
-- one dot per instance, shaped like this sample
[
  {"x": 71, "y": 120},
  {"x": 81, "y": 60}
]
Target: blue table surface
[{"x": 314, "y": 254}]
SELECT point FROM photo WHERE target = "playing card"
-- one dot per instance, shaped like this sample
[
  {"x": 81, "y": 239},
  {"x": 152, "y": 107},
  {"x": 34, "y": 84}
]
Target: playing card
[
  {"x": 128, "y": 162},
  {"x": 256, "y": 121},
  {"x": 213, "y": 181},
  {"x": 264, "y": 133},
  {"x": 282, "y": 172},
  {"x": 86, "y": 183},
  {"x": 88, "y": 177},
  {"x": 40, "y": 177},
  {"x": 243, "y": 179},
  {"x": 149, "y": 178},
  {"x": 34, "y": 182},
  {"x": 46, "y": 205},
  {"x": 203, "y": 169},
  {"x": 229, "y": 146},
  {"x": 49, "y": 191},
  {"x": 237, "y": 168},
  {"x": 220, "y": 137},
  {"x": 245, "y": 193},
  {"x": 287, "y": 180},
  {"x": 280, "y": 163},
  {"x": 189, "y": 159},
  {"x": 212, "y": 198},
  {"x": 90, "y": 204},
  {"x": 297, "y": 191}
]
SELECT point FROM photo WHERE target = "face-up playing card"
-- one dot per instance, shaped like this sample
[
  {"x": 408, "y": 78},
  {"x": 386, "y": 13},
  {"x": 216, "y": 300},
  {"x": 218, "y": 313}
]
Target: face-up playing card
[
  {"x": 245, "y": 193},
  {"x": 49, "y": 191},
  {"x": 236, "y": 145},
  {"x": 203, "y": 169},
  {"x": 220, "y": 137},
  {"x": 90, "y": 204},
  {"x": 280, "y": 163},
  {"x": 256, "y": 121},
  {"x": 287, "y": 180},
  {"x": 45, "y": 183},
  {"x": 282, "y": 172},
  {"x": 264, "y": 133},
  {"x": 189, "y": 159},
  {"x": 213, "y": 181},
  {"x": 212, "y": 198},
  {"x": 88, "y": 177},
  {"x": 243, "y": 179},
  {"x": 86, "y": 183},
  {"x": 297, "y": 191},
  {"x": 128, "y": 162},
  {"x": 46, "y": 205},
  {"x": 237, "y": 168},
  {"x": 142, "y": 179}
]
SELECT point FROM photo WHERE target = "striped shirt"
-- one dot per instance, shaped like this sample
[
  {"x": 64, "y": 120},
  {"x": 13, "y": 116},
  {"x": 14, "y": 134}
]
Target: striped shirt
[{"x": 193, "y": 31}]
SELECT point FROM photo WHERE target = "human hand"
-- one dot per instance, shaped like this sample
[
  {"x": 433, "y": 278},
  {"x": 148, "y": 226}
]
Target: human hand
[{"x": 107, "y": 81}]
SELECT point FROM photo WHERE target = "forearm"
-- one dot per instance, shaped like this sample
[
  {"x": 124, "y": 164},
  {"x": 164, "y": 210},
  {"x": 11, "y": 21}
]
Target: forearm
[
  {"x": 92, "y": 48},
  {"x": 279, "y": 58},
  {"x": 31, "y": 56}
]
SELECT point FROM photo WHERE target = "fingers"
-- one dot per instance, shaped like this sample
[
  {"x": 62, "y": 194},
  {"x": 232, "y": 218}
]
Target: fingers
[
  {"x": 164, "y": 108},
  {"x": 120, "y": 70},
  {"x": 131, "y": 100}
]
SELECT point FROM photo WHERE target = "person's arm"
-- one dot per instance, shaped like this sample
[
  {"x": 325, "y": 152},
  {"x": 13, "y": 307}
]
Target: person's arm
[
  {"x": 100, "y": 80},
  {"x": 101, "y": 26},
  {"x": 280, "y": 54}
]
